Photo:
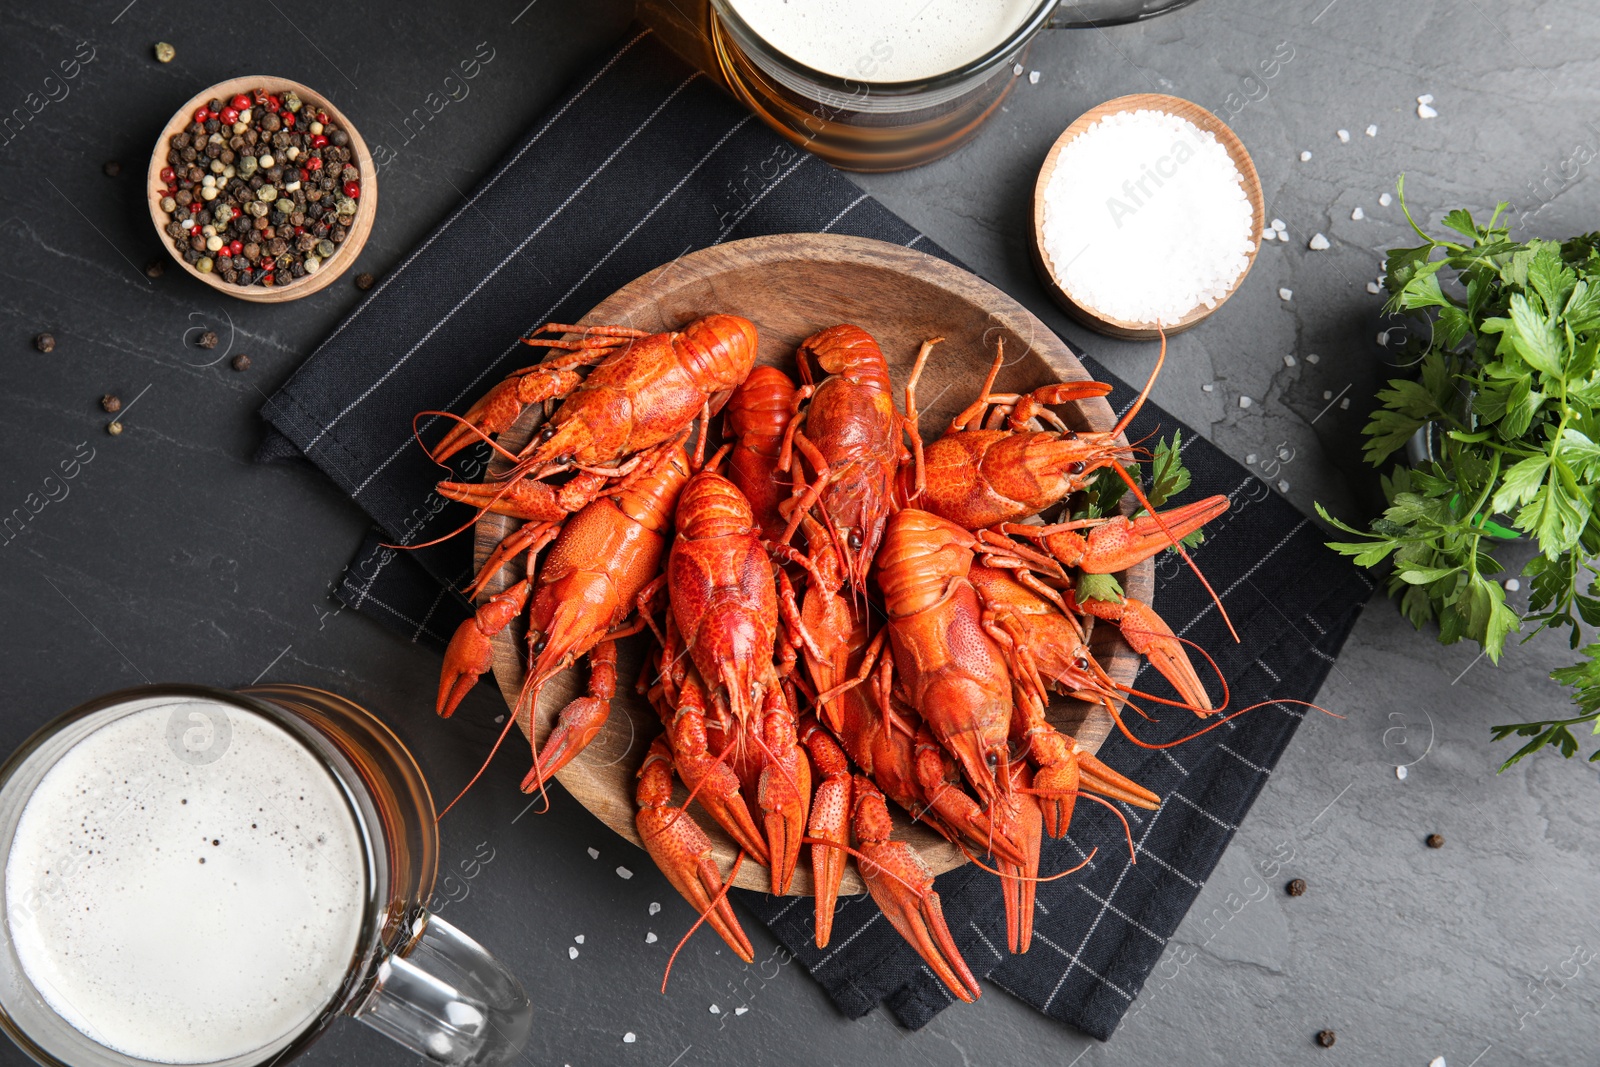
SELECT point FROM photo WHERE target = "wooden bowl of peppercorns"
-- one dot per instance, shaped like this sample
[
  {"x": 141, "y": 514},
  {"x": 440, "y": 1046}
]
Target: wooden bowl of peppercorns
[{"x": 221, "y": 176}]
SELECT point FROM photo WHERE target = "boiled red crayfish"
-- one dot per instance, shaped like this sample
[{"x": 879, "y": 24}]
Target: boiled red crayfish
[{"x": 772, "y": 698}]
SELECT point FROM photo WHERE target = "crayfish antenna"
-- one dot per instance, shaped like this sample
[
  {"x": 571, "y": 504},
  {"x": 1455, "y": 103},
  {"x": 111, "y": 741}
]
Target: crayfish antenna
[
  {"x": 711, "y": 907},
  {"x": 511, "y": 720},
  {"x": 1122, "y": 727}
]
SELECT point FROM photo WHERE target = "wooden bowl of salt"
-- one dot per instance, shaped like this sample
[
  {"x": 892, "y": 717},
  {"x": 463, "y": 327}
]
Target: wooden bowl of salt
[{"x": 1147, "y": 215}]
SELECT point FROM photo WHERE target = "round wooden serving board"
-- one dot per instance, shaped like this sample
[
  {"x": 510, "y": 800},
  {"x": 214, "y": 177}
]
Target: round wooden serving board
[{"x": 790, "y": 286}]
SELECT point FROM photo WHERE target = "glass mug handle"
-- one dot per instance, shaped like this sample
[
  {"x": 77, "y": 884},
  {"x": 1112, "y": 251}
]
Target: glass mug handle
[{"x": 448, "y": 1000}]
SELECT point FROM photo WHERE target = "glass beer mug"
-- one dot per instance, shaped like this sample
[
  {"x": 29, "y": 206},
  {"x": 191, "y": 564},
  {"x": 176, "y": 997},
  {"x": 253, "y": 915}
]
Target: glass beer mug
[{"x": 198, "y": 876}]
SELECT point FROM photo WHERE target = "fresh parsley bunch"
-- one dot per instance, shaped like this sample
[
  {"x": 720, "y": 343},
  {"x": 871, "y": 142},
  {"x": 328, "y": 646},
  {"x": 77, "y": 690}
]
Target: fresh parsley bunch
[{"x": 1509, "y": 396}]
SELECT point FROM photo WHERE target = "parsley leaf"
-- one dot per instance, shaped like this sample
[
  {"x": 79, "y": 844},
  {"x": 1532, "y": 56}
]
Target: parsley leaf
[{"x": 1507, "y": 390}]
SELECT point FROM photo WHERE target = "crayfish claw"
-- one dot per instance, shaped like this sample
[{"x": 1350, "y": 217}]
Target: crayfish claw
[
  {"x": 681, "y": 849},
  {"x": 902, "y": 885}
]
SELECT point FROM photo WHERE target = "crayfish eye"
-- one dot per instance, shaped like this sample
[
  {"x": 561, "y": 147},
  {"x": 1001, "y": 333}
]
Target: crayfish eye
[
  {"x": 1082, "y": 663},
  {"x": 993, "y": 761},
  {"x": 537, "y": 643},
  {"x": 854, "y": 538},
  {"x": 547, "y": 431},
  {"x": 1076, "y": 468}
]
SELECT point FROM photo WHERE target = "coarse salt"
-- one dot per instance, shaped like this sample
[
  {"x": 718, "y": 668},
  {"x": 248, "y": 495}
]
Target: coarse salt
[
  {"x": 1344, "y": 405},
  {"x": 1425, "y": 98},
  {"x": 1358, "y": 214},
  {"x": 1033, "y": 77},
  {"x": 1385, "y": 200},
  {"x": 1288, "y": 361},
  {"x": 1208, "y": 387},
  {"x": 1318, "y": 243},
  {"x": 1374, "y": 288},
  {"x": 1283, "y": 486},
  {"x": 1280, "y": 225},
  {"x": 1245, "y": 401},
  {"x": 1305, "y": 157},
  {"x": 1426, "y": 112},
  {"x": 1400, "y": 773},
  {"x": 1285, "y": 294},
  {"x": 1269, "y": 234},
  {"x": 1327, "y": 394},
  {"x": 1313, "y": 358},
  {"x": 1344, "y": 136},
  {"x": 1146, "y": 218},
  {"x": 650, "y": 937},
  {"x": 1016, "y": 70},
  {"x": 1512, "y": 585},
  {"x": 1372, "y": 131}
]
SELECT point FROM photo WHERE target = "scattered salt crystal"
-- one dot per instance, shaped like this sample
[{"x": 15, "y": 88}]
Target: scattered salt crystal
[
  {"x": 1426, "y": 112},
  {"x": 1283, "y": 486},
  {"x": 572, "y": 953},
  {"x": 1285, "y": 294},
  {"x": 1318, "y": 243},
  {"x": 1207, "y": 388},
  {"x": 1288, "y": 361},
  {"x": 1280, "y": 226},
  {"x": 1425, "y": 98},
  {"x": 1327, "y": 394},
  {"x": 1269, "y": 234},
  {"x": 1512, "y": 585},
  {"x": 650, "y": 938},
  {"x": 1146, "y": 218},
  {"x": 1344, "y": 405},
  {"x": 1372, "y": 131},
  {"x": 1344, "y": 136},
  {"x": 715, "y": 1010},
  {"x": 594, "y": 853},
  {"x": 1305, "y": 157},
  {"x": 579, "y": 939},
  {"x": 1250, "y": 460},
  {"x": 1385, "y": 200},
  {"x": 1374, "y": 288},
  {"x": 1313, "y": 358},
  {"x": 499, "y": 718},
  {"x": 1016, "y": 70},
  {"x": 740, "y": 1010},
  {"x": 1437, "y": 1061},
  {"x": 1400, "y": 773},
  {"x": 655, "y": 907},
  {"x": 629, "y": 1038},
  {"x": 1358, "y": 214},
  {"x": 624, "y": 873},
  {"x": 1245, "y": 401},
  {"x": 1033, "y": 77}
]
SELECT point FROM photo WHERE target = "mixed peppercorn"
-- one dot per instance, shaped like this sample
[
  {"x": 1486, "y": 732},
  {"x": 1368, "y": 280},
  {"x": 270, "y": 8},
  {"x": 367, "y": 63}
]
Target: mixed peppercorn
[{"x": 260, "y": 189}]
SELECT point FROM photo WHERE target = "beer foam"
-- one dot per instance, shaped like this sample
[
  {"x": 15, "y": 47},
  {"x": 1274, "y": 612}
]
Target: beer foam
[
  {"x": 884, "y": 40},
  {"x": 181, "y": 906}
]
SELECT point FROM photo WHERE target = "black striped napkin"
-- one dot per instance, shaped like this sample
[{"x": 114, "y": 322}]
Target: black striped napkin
[{"x": 645, "y": 160}]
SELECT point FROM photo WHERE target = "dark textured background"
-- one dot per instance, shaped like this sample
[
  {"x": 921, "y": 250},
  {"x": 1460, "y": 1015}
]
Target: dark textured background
[{"x": 173, "y": 557}]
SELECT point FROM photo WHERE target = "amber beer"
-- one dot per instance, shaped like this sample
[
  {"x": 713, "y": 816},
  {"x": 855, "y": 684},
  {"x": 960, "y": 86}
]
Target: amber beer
[{"x": 878, "y": 86}]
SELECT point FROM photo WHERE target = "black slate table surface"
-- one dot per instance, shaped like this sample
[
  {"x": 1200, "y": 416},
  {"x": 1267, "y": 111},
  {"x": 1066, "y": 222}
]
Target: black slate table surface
[{"x": 170, "y": 556}]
